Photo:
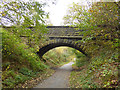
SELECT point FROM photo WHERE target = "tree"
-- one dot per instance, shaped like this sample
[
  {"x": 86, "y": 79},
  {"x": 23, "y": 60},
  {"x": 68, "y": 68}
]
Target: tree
[
  {"x": 21, "y": 16},
  {"x": 99, "y": 22},
  {"x": 97, "y": 16},
  {"x": 105, "y": 17},
  {"x": 19, "y": 13},
  {"x": 77, "y": 15},
  {"x": 100, "y": 26}
]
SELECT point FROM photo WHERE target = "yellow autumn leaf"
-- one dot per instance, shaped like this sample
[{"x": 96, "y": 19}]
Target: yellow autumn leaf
[{"x": 3, "y": 14}]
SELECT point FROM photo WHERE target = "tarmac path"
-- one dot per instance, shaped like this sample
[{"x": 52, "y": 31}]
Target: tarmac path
[{"x": 60, "y": 79}]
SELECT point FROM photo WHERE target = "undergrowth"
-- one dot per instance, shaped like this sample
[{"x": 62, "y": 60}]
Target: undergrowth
[
  {"x": 99, "y": 72},
  {"x": 19, "y": 62}
]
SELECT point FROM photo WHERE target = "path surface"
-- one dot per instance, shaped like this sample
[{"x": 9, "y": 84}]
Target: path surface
[{"x": 59, "y": 79}]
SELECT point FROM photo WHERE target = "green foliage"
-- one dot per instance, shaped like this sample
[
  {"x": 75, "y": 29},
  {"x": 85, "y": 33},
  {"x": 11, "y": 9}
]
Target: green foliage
[
  {"x": 5, "y": 65},
  {"x": 81, "y": 59},
  {"x": 22, "y": 16},
  {"x": 12, "y": 79},
  {"x": 22, "y": 13},
  {"x": 100, "y": 25},
  {"x": 93, "y": 21},
  {"x": 81, "y": 80},
  {"x": 101, "y": 72},
  {"x": 57, "y": 57},
  {"x": 18, "y": 52},
  {"x": 77, "y": 16},
  {"x": 27, "y": 72},
  {"x": 81, "y": 62},
  {"x": 8, "y": 73},
  {"x": 9, "y": 82},
  {"x": 26, "y": 21}
]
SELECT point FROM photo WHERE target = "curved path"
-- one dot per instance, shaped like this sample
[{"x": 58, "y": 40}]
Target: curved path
[{"x": 60, "y": 79}]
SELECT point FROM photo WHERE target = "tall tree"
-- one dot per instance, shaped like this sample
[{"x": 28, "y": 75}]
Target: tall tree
[
  {"x": 99, "y": 21},
  {"x": 77, "y": 15},
  {"x": 21, "y": 15}
]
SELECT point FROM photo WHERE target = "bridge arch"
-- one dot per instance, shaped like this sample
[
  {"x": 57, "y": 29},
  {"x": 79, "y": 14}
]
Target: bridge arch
[{"x": 58, "y": 43}]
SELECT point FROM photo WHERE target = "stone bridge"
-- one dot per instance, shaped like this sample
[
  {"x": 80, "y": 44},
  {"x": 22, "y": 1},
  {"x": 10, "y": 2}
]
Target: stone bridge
[{"x": 62, "y": 36}]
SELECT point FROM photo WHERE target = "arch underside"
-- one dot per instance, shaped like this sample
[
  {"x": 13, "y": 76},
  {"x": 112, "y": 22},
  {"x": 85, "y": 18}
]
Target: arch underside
[{"x": 50, "y": 46}]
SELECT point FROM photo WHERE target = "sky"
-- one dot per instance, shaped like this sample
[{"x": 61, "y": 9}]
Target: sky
[{"x": 57, "y": 12}]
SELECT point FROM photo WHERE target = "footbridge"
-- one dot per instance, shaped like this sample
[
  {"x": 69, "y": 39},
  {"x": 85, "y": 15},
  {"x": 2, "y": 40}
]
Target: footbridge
[{"x": 62, "y": 36}]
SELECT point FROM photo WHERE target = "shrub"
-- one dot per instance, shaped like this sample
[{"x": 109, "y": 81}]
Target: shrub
[
  {"x": 14, "y": 50},
  {"x": 81, "y": 59},
  {"x": 26, "y": 71}
]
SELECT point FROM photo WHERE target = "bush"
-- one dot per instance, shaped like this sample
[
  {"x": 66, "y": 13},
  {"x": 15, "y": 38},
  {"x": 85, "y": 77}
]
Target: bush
[
  {"x": 26, "y": 71},
  {"x": 14, "y": 50},
  {"x": 81, "y": 59},
  {"x": 12, "y": 81}
]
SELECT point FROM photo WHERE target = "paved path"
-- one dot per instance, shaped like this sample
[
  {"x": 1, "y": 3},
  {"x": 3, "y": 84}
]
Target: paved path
[{"x": 59, "y": 79}]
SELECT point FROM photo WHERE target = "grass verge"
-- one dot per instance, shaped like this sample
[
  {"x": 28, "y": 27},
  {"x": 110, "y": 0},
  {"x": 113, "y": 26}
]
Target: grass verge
[
  {"x": 35, "y": 80},
  {"x": 106, "y": 76}
]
